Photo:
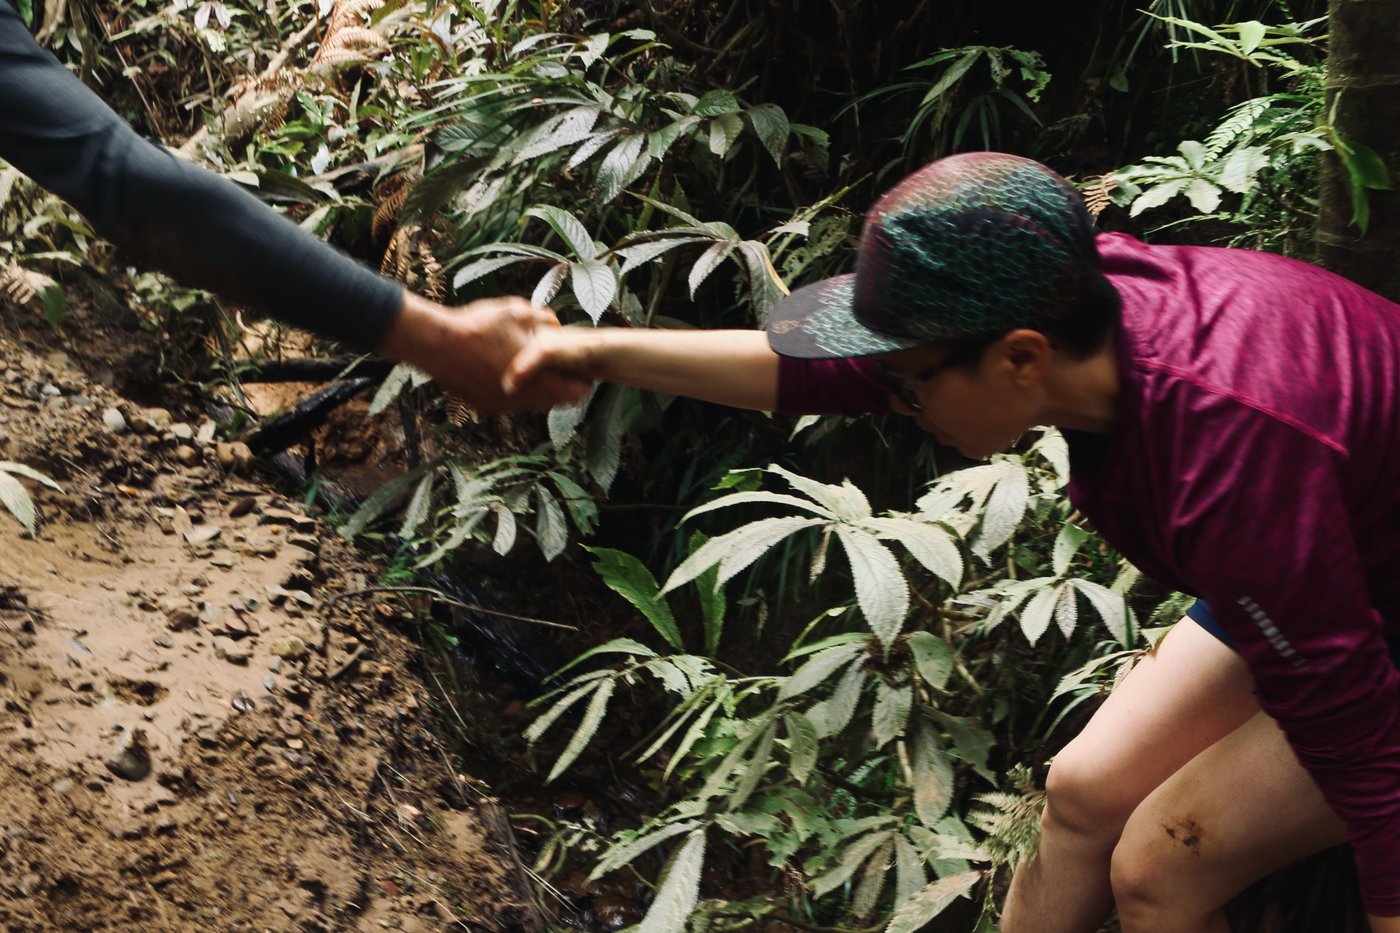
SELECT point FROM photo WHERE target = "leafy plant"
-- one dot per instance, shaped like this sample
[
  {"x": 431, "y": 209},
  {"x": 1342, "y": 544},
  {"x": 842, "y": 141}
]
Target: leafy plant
[{"x": 15, "y": 498}]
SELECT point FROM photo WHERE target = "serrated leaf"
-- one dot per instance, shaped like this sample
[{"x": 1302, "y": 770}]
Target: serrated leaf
[
  {"x": 569, "y": 228},
  {"x": 929, "y": 544},
  {"x": 716, "y": 102},
  {"x": 595, "y": 286},
  {"x": 617, "y": 167},
  {"x": 19, "y": 469},
  {"x": 770, "y": 125},
  {"x": 736, "y": 550},
  {"x": 818, "y": 668},
  {"x": 892, "y": 705},
  {"x": 605, "y": 437},
  {"x": 559, "y": 132},
  {"x": 757, "y": 764},
  {"x": 881, "y": 591},
  {"x": 563, "y": 420},
  {"x": 591, "y": 147},
  {"x": 550, "y": 716},
  {"x": 803, "y": 744},
  {"x": 724, "y": 130},
  {"x": 1036, "y": 614},
  {"x": 547, "y": 288},
  {"x": 679, "y": 889},
  {"x": 642, "y": 253},
  {"x": 620, "y": 854},
  {"x": 1203, "y": 195},
  {"x": 1006, "y": 506},
  {"x": 627, "y": 646},
  {"x": 933, "y": 774},
  {"x": 708, "y": 262},
  {"x": 1110, "y": 606},
  {"x": 582, "y": 509},
  {"x": 392, "y": 385},
  {"x": 855, "y": 855},
  {"x": 835, "y": 713},
  {"x": 483, "y": 267},
  {"x": 744, "y": 498},
  {"x": 550, "y": 527},
  {"x": 970, "y": 741},
  {"x": 380, "y": 499},
  {"x": 587, "y": 728},
  {"x": 1067, "y": 543},
  {"x": 720, "y": 776},
  {"x": 659, "y": 142},
  {"x": 416, "y": 512},
  {"x": 872, "y": 880},
  {"x": 504, "y": 539},
  {"x": 1066, "y": 610},
  {"x": 933, "y": 658},
  {"x": 629, "y": 578},
  {"x": 916, "y": 912},
  {"x": 1238, "y": 171},
  {"x": 692, "y": 735},
  {"x": 1157, "y": 195},
  {"x": 15, "y": 498},
  {"x": 909, "y": 869}
]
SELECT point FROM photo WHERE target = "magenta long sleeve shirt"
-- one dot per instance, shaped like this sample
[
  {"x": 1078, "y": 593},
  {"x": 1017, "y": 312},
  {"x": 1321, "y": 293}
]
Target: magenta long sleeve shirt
[{"x": 1254, "y": 462}]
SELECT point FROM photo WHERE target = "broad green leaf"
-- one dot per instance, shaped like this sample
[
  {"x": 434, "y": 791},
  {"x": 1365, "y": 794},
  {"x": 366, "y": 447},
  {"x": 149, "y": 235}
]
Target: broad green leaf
[
  {"x": 1251, "y": 34},
  {"x": 659, "y": 142},
  {"x": 891, "y": 712},
  {"x": 1066, "y": 610},
  {"x": 1110, "y": 606},
  {"x": 916, "y": 912},
  {"x": 679, "y": 888},
  {"x": 724, "y": 130},
  {"x": 1157, "y": 195},
  {"x": 749, "y": 824},
  {"x": 951, "y": 76},
  {"x": 1006, "y": 506},
  {"x": 736, "y": 550},
  {"x": 416, "y": 512},
  {"x": 595, "y": 286},
  {"x": 506, "y": 527},
  {"x": 381, "y": 499},
  {"x": 19, "y": 469},
  {"x": 560, "y": 132},
  {"x": 1204, "y": 196},
  {"x": 969, "y": 741},
  {"x": 1240, "y": 167},
  {"x": 620, "y": 854},
  {"x": 933, "y": 658},
  {"x": 818, "y": 668},
  {"x": 643, "y": 253},
  {"x": 834, "y": 714},
  {"x": 483, "y": 267},
  {"x": 569, "y": 228},
  {"x": 563, "y": 420},
  {"x": 630, "y": 579},
  {"x": 390, "y": 388},
  {"x": 852, "y": 858},
  {"x": 803, "y": 745},
  {"x": 743, "y": 498},
  {"x": 931, "y": 545},
  {"x": 720, "y": 776},
  {"x": 550, "y": 527},
  {"x": 933, "y": 774},
  {"x": 587, "y": 728},
  {"x": 1036, "y": 615},
  {"x": 881, "y": 591},
  {"x": 617, "y": 167},
  {"x": 770, "y": 125},
  {"x": 582, "y": 509},
  {"x": 872, "y": 879},
  {"x": 14, "y": 498},
  {"x": 605, "y": 435},
  {"x": 837, "y": 501},
  {"x": 547, "y": 288},
  {"x": 715, "y": 103},
  {"x": 1067, "y": 543},
  {"x": 909, "y": 869},
  {"x": 591, "y": 147}
]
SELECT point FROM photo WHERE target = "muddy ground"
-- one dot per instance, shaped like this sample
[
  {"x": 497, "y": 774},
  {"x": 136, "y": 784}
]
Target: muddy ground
[{"x": 206, "y": 725}]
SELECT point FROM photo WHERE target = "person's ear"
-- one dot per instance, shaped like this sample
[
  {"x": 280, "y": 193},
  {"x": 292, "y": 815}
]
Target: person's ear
[{"x": 1027, "y": 355}]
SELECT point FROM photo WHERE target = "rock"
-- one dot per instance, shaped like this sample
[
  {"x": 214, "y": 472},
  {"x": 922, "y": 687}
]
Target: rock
[
  {"x": 224, "y": 562},
  {"x": 163, "y": 640},
  {"x": 133, "y": 762},
  {"x": 242, "y": 507},
  {"x": 205, "y": 434},
  {"x": 185, "y": 455},
  {"x": 114, "y": 421},
  {"x": 202, "y": 534},
  {"x": 49, "y": 390},
  {"x": 150, "y": 420},
  {"x": 291, "y": 649},
  {"x": 232, "y": 651},
  {"x": 286, "y": 517},
  {"x": 181, "y": 431},
  {"x": 178, "y": 620}
]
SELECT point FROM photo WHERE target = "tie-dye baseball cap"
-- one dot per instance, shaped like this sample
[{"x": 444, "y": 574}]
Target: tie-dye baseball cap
[{"x": 969, "y": 246}]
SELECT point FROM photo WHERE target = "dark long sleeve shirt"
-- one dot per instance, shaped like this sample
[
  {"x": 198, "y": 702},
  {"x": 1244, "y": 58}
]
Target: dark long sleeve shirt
[
  {"x": 170, "y": 214},
  {"x": 1254, "y": 462}
]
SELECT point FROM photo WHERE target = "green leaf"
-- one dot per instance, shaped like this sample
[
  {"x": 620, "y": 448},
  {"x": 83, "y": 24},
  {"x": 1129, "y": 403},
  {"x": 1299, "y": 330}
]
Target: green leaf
[
  {"x": 587, "y": 728},
  {"x": 1157, "y": 195},
  {"x": 1006, "y": 506},
  {"x": 1035, "y": 617},
  {"x": 715, "y": 103},
  {"x": 550, "y": 527},
  {"x": 970, "y": 741},
  {"x": 617, "y": 166},
  {"x": 392, "y": 385},
  {"x": 381, "y": 498},
  {"x": 595, "y": 286},
  {"x": 933, "y": 658},
  {"x": 951, "y": 76},
  {"x": 506, "y": 527},
  {"x": 560, "y": 131},
  {"x": 930, "y": 544},
  {"x": 1204, "y": 196},
  {"x": 726, "y": 768},
  {"x": 881, "y": 591},
  {"x": 872, "y": 879},
  {"x": 708, "y": 262},
  {"x": 14, "y": 498},
  {"x": 711, "y": 597},
  {"x": 620, "y": 854},
  {"x": 933, "y": 774},
  {"x": 1251, "y": 34},
  {"x": 835, "y": 713},
  {"x": 630, "y": 579},
  {"x": 569, "y": 228},
  {"x": 915, "y": 913},
  {"x": 756, "y": 767},
  {"x": 736, "y": 550},
  {"x": 659, "y": 142},
  {"x": 803, "y": 745},
  {"x": 547, "y": 719},
  {"x": 1110, "y": 606},
  {"x": 484, "y": 267},
  {"x": 724, "y": 130},
  {"x": 1238, "y": 171},
  {"x": 770, "y": 125},
  {"x": 563, "y": 420},
  {"x": 892, "y": 705},
  {"x": 582, "y": 509},
  {"x": 19, "y": 469},
  {"x": 1066, "y": 610},
  {"x": 855, "y": 855},
  {"x": 744, "y": 498},
  {"x": 679, "y": 888},
  {"x": 818, "y": 668},
  {"x": 1067, "y": 543},
  {"x": 416, "y": 511},
  {"x": 626, "y": 646},
  {"x": 909, "y": 868}
]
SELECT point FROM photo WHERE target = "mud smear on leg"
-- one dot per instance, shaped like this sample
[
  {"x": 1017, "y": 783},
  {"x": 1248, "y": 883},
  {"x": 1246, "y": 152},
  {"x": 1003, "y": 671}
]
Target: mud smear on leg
[{"x": 1187, "y": 832}]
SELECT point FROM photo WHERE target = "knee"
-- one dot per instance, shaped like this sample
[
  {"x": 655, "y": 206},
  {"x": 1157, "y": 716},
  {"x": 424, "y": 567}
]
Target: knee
[
  {"x": 1083, "y": 797},
  {"x": 1159, "y": 886}
]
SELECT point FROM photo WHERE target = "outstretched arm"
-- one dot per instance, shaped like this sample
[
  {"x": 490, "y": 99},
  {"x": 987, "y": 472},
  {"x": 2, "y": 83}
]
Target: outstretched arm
[{"x": 729, "y": 367}]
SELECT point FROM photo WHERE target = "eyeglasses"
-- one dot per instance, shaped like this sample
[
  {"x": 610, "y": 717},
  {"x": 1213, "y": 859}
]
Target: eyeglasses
[{"x": 905, "y": 388}]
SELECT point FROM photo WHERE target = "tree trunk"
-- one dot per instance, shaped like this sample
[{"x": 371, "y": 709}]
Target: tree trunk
[{"x": 1363, "y": 94}]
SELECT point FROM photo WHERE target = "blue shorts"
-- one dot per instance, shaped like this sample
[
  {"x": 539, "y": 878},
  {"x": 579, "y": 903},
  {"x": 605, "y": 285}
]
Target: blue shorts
[{"x": 1201, "y": 614}]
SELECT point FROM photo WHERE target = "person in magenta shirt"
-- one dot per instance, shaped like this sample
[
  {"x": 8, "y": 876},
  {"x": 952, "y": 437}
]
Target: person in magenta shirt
[{"x": 1234, "y": 430}]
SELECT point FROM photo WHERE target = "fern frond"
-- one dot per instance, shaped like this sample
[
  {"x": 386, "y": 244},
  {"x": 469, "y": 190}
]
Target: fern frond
[
  {"x": 350, "y": 11},
  {"x": 1239, "y": 125},
  {"x": 353, "y": 37}
]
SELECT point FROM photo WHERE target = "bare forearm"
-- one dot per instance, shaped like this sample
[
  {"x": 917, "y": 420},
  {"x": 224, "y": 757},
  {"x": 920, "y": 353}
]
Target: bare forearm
[{"x": 728, "y": 367}]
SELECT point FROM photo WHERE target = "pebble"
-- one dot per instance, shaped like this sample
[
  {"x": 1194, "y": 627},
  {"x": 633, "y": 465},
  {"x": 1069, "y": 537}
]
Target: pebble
[
  {"x": 242, "y": 507},
  {"x": 114, "y": 421},
  {"x": 205, "y": 434},
  {"x": 163, "y": 640},
  {"x": 291, "y": 649},
  {"x": 224, "y": 562},
  {"x": 177, "y": 620},
  {"x": 287, "y": 517},
  {"x": 186, "y": 455},
  {"x": 49, "y": 390},
  {"x": 133, "y": 762},
  {"x": 181, "y": 431},
  {"x": 202, "y": 534},
  {"x": 232, "y": 651}
]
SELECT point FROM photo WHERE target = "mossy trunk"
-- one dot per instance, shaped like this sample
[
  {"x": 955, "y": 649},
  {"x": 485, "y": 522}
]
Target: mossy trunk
[{"x": 1363, "y": 95}]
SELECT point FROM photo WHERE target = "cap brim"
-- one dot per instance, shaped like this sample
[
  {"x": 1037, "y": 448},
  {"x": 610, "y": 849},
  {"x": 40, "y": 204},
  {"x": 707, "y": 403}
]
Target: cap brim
[{"x": 818, "y": 322}]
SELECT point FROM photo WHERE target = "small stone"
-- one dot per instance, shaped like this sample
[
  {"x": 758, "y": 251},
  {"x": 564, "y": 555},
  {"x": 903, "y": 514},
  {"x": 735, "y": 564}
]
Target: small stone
[
  {"x": 231, "y": 651},
  {"x": 133, "y": 762},
  {"x": 242, "y": 507},
  {"x": 287, "y": 517},
  {"x": 202, "y": 534},
  {"x": 186, "y": 455},
  {"x": 291, "y": 649},
  {"x": 181, "y": 431},
  {"x": 114, "y": 421},
  {"x": 178, "y": 620},
  {"x": 50, "y": 390},
  {"x": 163, "y": 640},
  {"x": 205, "y": 434}
]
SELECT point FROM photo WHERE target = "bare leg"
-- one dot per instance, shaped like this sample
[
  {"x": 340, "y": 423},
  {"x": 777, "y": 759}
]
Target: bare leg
[
  {"x": 1183, "y": 698},
  {"x": 1239, "y": 810}
]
